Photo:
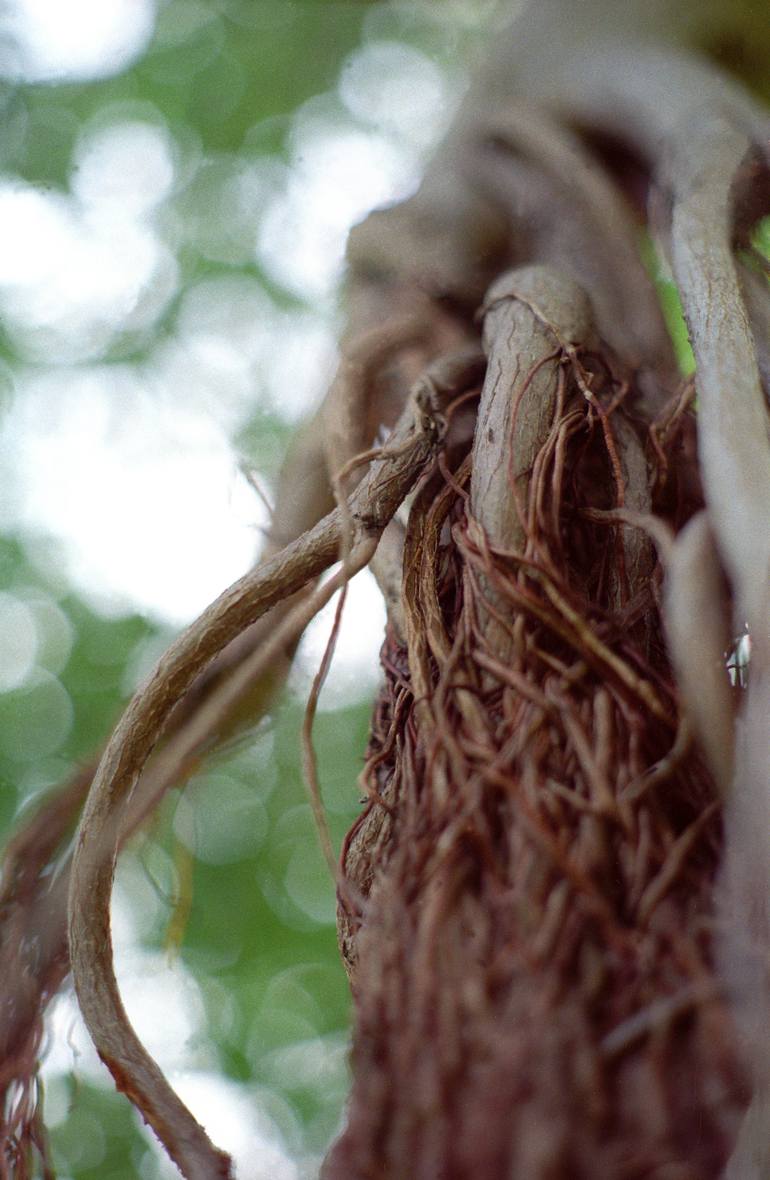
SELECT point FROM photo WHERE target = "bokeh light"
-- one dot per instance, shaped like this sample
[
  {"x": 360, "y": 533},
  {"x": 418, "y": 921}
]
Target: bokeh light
[
  {"x": 35, "y": 719},
  {"x": 177, "y": 181},
  {"x": 336, "y": 175},
  {"x": 70, "y": 279},
  {"x": 145, "y": 497},
  {"x": 46, "y": 40},
  {"x": 18, "y": 641},
  {"x": 397, "y": 90},
  {"x": 221, "y": 819}
]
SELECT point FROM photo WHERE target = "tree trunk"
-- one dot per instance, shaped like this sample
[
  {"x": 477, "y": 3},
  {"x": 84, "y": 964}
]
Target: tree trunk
[
  {"x": 531, "y": 912},
  {"x": 554, "y": 905}
]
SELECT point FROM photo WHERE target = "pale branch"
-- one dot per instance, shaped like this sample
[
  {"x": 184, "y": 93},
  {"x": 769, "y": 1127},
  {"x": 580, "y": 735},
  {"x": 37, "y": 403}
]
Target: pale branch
[
  {"x": 519, "y": 397},
  {"x": 734, "y": 450},
  {"x": 387, "y": 566},
  {"x": 743, "y": 950},
  {"x": 754, "y": 287},
  {"x": 412, "y": 445},
  {"x": 733, "y": 441},
  {"x": 751, "y": 1157},
  {"x": 698, "y": 635},
  {"x": 519, "y": 401}
]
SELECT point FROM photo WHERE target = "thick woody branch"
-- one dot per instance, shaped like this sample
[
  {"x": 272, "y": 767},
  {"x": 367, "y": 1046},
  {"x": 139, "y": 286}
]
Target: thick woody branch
[
  {"x": 531, "y": 315},
  {"x": 734, "y": 451},
  {"x": 698, "y": 637},
  {"x": 732, "y": 416}
]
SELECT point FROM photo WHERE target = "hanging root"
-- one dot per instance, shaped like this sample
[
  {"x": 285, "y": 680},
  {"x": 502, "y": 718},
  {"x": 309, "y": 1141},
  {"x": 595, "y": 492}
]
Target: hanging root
[
  {"x": 413, "y": 444},
  {"x": 537, "y": 856},
  {"x": 559, "y": 955}
]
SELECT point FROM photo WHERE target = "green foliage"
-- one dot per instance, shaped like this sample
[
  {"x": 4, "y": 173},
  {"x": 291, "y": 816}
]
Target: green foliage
[
  {"x": 217, "y": 72},
  {"x": 762, "y": 237},
  {"x": 97, "y": 1138},
  {"x": 671, "y": 306}
]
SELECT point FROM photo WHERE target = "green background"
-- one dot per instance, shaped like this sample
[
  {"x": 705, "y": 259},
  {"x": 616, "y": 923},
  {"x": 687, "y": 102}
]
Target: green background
[{"x": 229, "y": 872}]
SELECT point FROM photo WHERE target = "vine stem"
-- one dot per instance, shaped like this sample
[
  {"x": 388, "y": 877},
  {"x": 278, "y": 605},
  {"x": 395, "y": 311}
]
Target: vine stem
[{"x": 412, "y": 445}]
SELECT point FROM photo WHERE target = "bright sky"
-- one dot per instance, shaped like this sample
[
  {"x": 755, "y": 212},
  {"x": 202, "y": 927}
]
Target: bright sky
[
  {"x": 129, "y": 469},
  {"x": 81, "y": 39}
]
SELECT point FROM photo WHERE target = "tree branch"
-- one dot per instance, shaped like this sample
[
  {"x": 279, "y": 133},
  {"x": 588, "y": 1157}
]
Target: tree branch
[{"x": 412, "y": 445}]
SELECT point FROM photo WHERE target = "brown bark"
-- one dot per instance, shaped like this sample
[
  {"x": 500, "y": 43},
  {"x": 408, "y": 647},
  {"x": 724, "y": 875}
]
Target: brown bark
[{"x": 537, "y": 954}]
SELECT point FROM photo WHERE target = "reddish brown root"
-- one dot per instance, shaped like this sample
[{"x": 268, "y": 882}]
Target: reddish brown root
[{"x": 532, "y": 968}]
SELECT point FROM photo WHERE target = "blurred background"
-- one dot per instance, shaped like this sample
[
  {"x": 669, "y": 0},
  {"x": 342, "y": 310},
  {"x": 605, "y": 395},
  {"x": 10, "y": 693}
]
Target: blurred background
[{"x": 177, "y": 179}]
